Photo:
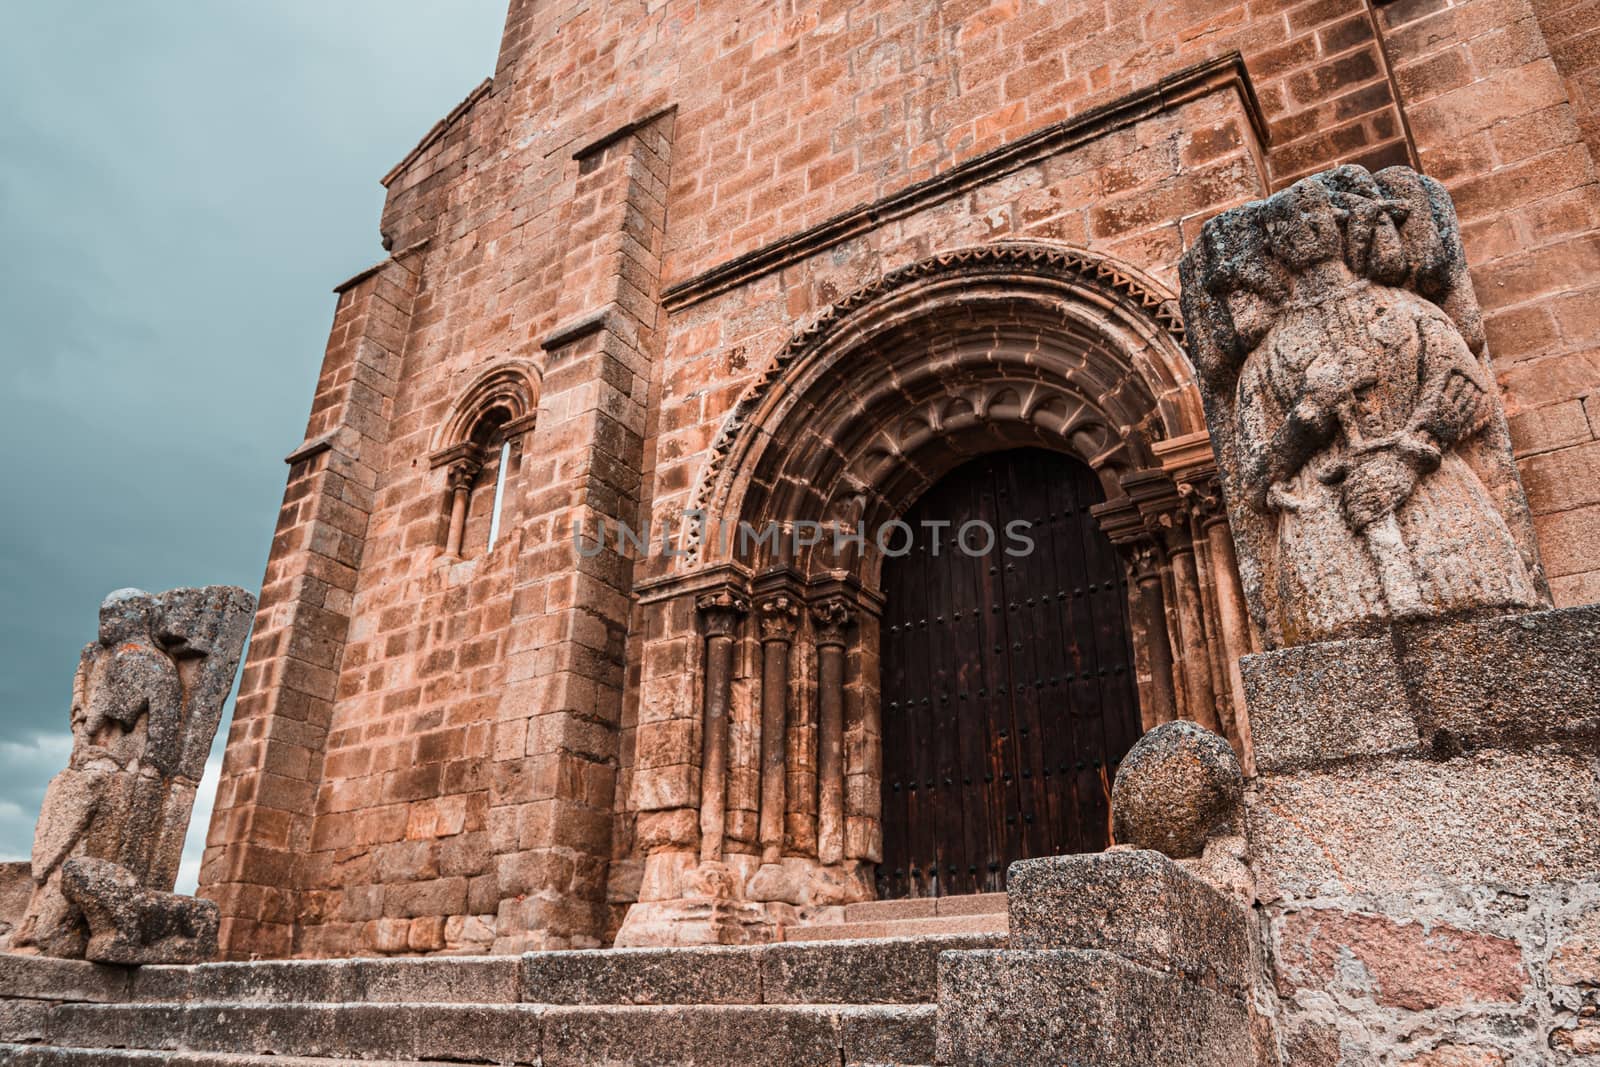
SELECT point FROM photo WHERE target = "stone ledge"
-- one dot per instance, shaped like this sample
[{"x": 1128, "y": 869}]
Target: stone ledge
[
  {"x": 460, "y": 979},
  {"x": 43, "y": 978},
  {"x": 1429, "y": 689},
  {"x": 711, "y": 1036},
  {"x": 1138, "y": 905},
  {"x": 51, "y": 1056}
]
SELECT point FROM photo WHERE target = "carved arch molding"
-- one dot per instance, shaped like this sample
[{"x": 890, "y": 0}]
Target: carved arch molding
[{"x": 966, "y": 352}]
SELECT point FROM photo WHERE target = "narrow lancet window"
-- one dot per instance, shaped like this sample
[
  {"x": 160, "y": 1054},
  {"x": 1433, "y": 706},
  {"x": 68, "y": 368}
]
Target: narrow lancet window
[{"x": 499, "y": 491}]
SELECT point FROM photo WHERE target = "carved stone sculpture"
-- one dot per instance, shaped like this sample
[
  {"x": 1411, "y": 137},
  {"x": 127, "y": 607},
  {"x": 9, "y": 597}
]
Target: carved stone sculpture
[
  {"x": 131, "y": 924},
  {"x": 146, "y": 702},
  {"x": 1356, "y": 421}
]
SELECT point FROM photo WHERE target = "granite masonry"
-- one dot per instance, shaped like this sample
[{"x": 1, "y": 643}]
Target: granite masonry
[
  {"x": 585, "y": 673},
  {"x": 146, "y": 702}
]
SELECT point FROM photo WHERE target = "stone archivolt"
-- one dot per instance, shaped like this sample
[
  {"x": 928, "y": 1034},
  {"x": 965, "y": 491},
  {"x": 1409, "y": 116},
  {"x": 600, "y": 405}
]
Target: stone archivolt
[{"x": 976, "y": 349}]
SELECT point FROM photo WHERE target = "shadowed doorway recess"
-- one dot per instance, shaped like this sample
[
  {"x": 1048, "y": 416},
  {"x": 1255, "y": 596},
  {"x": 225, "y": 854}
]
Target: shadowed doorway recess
[{"x": 1008, "y": 688}]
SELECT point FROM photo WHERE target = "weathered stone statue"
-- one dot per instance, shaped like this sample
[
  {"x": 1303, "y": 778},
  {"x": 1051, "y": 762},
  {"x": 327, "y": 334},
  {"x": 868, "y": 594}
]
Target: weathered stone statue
[
  {"x": 1356, "y": 421},
  {"x": 146, "y": 702}
]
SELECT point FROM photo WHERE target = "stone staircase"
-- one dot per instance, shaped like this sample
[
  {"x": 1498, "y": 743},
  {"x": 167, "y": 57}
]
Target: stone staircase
[
  {"x": 1120, "y": 959},
  {"x": 827, "y": 1003},
  {"x": 980, "y": 913}
]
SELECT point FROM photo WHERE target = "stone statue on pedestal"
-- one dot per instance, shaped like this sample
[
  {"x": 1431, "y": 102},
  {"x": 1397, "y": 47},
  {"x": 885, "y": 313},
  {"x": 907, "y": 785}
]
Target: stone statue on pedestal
[
  {"x": 146, "y": 702},
  {"x": 1356, "y": 421}
]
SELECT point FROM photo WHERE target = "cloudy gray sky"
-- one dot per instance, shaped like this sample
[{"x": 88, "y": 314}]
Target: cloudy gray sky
[{"x": 181, "y": 184}]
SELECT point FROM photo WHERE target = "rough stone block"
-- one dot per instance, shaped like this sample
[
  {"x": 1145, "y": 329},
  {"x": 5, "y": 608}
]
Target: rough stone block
[
  {"x": 887, "y": 971},
  {"x": 710, "y": 975},
  {"x": 1327, "y": 701},
  {"x": 1405, "y": 965},
  {"x": 24, "y": 1020},
  {"x": 283, "y": 1030},
  {"x": 1045, "y": 1008},
  {"x": 142, "y": 1026},
  {"x": 1428, "y": 688},
  {"x": 42, "y": 978},
  {"x": 261, "y": 982},
  {"x": 1530, "y": 678},
  {"x": 1139, "y": 905},
  {"x": 444, "y": 980},
  {"x": 667, "y": 1036},
  {"x": 1396, "y": 825},
  {"x": 903, "y": 1034}
]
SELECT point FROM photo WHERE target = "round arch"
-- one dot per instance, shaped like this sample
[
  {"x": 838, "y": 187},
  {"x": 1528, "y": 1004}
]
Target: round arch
[{"x": 998, "y": 346}]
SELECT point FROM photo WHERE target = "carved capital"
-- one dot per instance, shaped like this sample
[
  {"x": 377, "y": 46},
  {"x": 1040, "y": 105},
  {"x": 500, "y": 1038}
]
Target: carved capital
[
  {"x": 779, "y": 614},
  {"x": 1144, "y": 556},
  {"x": 1203, "y": 497},
  {"x": 1170, "y": 529},
  {"x": 720, "y": 612},
  {"x": 462, "y": 473},
  {"x": 834, "y": 617}
]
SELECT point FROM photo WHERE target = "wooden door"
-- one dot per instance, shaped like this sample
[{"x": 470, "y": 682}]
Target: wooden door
[{"x": 1008, "y": 688}]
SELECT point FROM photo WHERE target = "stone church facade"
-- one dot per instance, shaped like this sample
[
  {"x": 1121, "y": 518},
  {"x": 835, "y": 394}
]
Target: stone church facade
[{"x": 814, "y": 267}]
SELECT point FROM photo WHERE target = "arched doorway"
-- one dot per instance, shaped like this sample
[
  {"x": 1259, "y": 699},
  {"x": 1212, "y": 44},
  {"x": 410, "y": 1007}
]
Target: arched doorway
[
  {"x": 1008, "y": 689},
  {"x": 936, "y": 364}
]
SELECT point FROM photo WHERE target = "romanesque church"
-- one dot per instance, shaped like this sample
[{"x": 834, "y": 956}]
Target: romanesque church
[{"x": 789, "y": 455}]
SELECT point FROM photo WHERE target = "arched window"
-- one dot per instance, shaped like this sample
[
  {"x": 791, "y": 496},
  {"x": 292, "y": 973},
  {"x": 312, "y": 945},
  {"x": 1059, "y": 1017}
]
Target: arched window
[{"x": 481, "y": 455}]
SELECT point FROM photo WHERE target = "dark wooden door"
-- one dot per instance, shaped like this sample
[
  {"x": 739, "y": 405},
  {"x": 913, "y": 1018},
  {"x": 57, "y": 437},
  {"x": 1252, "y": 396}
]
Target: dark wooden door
[{"x": 1007, "y": 681}]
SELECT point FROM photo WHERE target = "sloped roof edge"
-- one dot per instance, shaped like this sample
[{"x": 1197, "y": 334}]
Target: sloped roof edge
[{"x": 439, "y": 129}]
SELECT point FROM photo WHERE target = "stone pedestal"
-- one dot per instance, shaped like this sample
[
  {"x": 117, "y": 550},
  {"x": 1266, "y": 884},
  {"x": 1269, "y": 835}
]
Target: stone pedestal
[
  {"x": 1121, "y": 958},
  {"x": 1425, "y": 833}
]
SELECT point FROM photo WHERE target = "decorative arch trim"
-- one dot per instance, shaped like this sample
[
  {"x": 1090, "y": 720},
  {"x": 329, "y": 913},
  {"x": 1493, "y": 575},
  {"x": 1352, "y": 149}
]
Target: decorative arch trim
[
  {"x": 510, "y": 386},
  {"x": 1053, "y": 278}
]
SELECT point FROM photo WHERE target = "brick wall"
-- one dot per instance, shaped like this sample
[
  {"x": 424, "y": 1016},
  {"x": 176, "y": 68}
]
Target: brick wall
[
  {"x": 428, "y": 751},
  {"x": 1491, "y": 117}
]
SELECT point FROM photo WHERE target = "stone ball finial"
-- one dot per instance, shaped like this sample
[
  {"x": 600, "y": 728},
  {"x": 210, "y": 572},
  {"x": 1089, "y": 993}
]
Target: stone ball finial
[{"x": 1179, "y": 786}]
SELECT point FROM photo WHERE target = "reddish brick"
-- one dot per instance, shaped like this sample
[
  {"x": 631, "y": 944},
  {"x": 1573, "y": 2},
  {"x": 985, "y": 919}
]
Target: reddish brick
[{"x": 1405, "y": 965}]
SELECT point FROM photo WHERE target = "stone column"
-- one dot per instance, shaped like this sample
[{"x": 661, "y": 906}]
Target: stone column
[
  {"x": 1125, "y": 525},
  {"x": 1193, "y": 653},
  {"x": 462, "y": 473},
  {"x": 834, "y": 617},
  {"x": 778, "y": 617},
  {"x": 1144, "y": 560},
  {"x": 1232, "y": 624},
  {"x": 720, "y": 615}
]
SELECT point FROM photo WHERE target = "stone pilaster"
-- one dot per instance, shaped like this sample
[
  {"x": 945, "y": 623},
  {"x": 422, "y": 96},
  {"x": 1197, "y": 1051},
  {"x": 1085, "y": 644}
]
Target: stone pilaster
[{"x": 266, "y": 799}]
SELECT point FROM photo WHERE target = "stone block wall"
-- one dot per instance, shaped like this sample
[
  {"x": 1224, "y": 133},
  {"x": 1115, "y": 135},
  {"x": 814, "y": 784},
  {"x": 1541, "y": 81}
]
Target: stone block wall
[
  {"x": 1423, "y": 839},
  {"x": 639, "y": 209}
]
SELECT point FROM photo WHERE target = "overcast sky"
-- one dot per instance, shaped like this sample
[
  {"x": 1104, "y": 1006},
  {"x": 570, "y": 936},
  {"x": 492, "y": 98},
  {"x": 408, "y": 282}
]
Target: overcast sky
[{"x": 182, "y": 182}]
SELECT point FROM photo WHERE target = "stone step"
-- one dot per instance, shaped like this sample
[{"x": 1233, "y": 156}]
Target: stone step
[
  {"x": 815, "y": 1035},
  {"x": 891, "y": 970},
  {"x": 888, "y": 970},
  {"x": 926, "y": 907},
  {"x": 992, "y": 924},
  {"x": 54, "y": 1056}
]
